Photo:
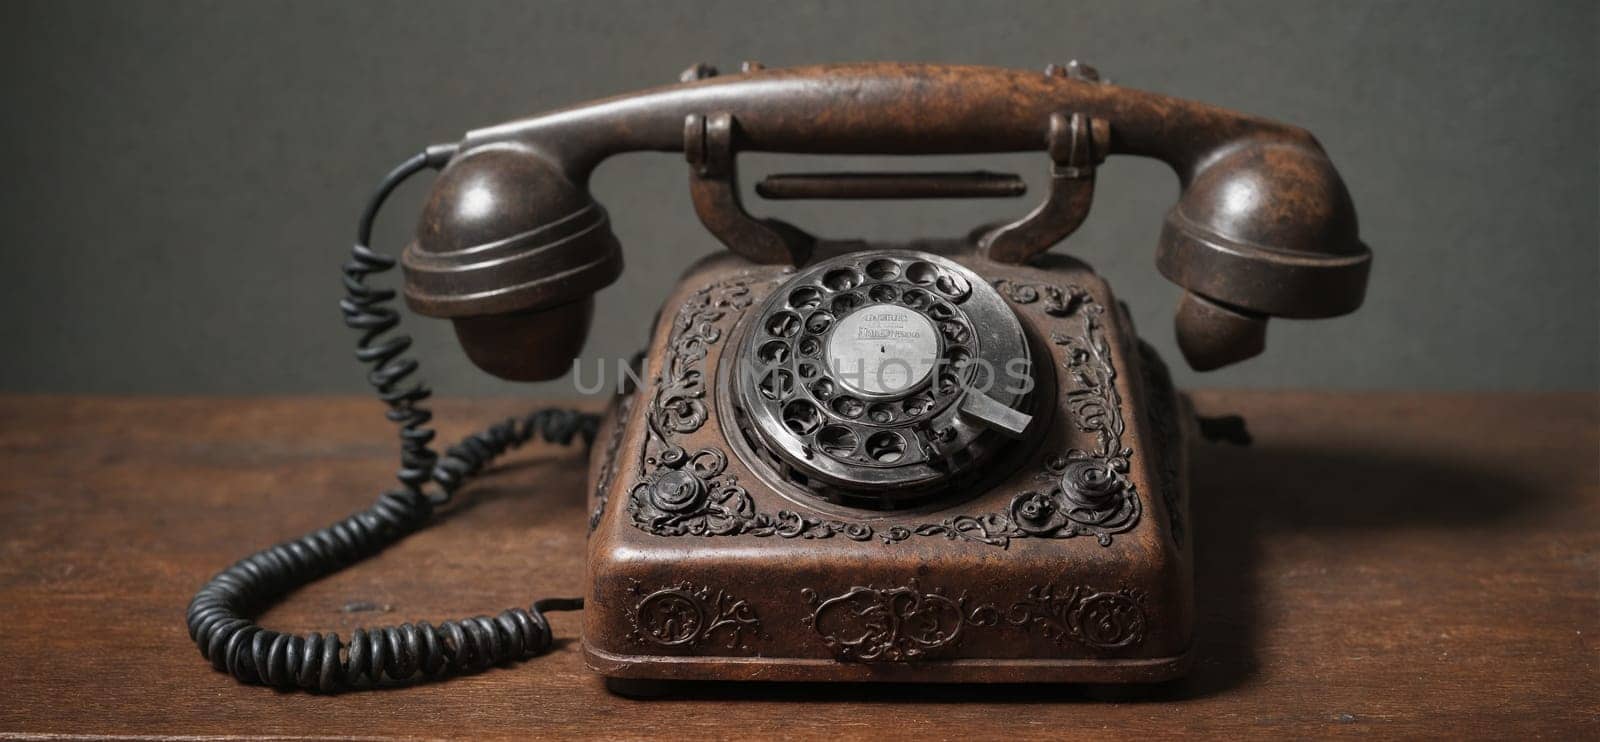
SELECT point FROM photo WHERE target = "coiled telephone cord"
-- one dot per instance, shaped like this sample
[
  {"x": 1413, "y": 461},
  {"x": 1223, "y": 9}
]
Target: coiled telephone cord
[{"x": 218, "y": 616}]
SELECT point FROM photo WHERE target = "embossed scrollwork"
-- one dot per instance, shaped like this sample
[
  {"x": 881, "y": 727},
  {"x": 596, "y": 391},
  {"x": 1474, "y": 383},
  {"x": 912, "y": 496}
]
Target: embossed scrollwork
[
  {"x": 789, "y": 524},
  {"x": 1037, "y": 513},
  {"x": 1058, "y": 301},
  {"x": 871, "y": 624},
  {"x": 901, "y": 624},
  {"x": 1088, "y": 492},
  {"x": 1109, "y": 620},
  {"x": 1084, "y": 492},
  {"x": 687, "y": 495},
  {"x": 1103, "y": 620},
  {"x": 679, "y": 405},
  {"x": 688, "y": 614}
]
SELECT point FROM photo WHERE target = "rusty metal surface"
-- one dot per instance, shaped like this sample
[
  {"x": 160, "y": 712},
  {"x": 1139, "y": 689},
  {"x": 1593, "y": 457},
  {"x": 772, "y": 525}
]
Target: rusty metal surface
[
  {"x": 1062, "y": 557},
  {"x": 1076, "y": 144},
  {"x": 705, "y": 563},
  {"x": 710, "y": 146},
  {"x": 1264, "y": 226}
]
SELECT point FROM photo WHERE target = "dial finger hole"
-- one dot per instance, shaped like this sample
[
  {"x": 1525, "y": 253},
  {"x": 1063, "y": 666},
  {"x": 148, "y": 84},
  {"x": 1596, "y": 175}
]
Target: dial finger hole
[
  {"x": 883, "y": 269},
  {"x": 922, "y": 273},
  {"x": 809, "y": 370},
  {"x": 837, "y": 441},
  {"x": 952, "y": 285},
  {"x": 805, "y": 297},
  {"x": 881, "y": 414},
  {"x": 777, "y": 384},
  {"x": 955, "y": 332},
  {"x": 886, "y": 447},
  {"x": 819, "y": 322},
  {"x": 917, "y": 404},
  {"x": 774, "y": 351},
  {"x": 841, "y": 279},
  {"x": 916, "y": 298},
  {"x": 802, "y": 417},
  {"x": 940, "y": 310},
  {"x": 846, "y": 303},
  {"x": 823, "y": 389},
  {"x": 883, "y": 293},
  {"x": 848, "y": 406},
  {"x": 783, "y": 324},
  {"x": 810, "y": 346}
]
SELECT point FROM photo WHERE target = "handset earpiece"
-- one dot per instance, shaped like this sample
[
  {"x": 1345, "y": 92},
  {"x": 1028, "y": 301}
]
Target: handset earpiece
[
  {"x": 1263, "y": 228},
  {"x": 511, "y": 251}
]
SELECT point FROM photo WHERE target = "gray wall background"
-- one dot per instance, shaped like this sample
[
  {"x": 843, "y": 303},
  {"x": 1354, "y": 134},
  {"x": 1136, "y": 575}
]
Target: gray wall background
[{"x": 181, "y": 180}]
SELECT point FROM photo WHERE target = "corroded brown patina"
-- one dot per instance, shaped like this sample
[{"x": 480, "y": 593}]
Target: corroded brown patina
[{"x": 1065, "y": 560}]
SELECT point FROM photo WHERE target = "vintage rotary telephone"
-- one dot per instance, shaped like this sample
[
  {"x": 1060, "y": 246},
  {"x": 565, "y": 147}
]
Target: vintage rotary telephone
[{"x": 946, "y": 460}]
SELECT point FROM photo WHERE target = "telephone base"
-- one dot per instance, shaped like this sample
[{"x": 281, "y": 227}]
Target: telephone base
[{"x": 1064, "y": 557}]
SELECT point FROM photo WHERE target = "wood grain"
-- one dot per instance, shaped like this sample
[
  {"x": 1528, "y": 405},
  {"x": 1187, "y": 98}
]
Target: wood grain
[{"x": 1377, "y": 564}]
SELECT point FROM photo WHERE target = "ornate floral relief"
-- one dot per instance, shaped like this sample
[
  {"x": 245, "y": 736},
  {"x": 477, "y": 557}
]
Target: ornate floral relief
[
  {"x": 688, "y": 614},
  {"x": 1058, "y": 301},
  {"x": 1082, "y": 492},
  {"x": 871, "y": 624},
  {"x": 901, "y": 624},
  {"x": 1103, "y": 620},
  {"x": 691, "y": 495},
  {"x": 679, "y": 405}
]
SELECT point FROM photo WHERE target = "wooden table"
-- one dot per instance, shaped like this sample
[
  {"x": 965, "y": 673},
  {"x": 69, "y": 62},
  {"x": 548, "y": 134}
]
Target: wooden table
[{"x": 1377, "y": 564}]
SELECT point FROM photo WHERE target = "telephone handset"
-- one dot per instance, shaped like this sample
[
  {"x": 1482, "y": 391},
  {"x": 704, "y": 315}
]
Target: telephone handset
[{"x": 941, "y": 460}]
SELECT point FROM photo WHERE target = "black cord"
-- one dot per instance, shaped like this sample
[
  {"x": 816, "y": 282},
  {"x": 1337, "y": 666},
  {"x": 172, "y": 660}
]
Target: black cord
[{"x": 406, "y": 653}]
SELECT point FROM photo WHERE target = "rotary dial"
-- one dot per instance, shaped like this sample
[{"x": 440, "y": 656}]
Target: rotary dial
[{"x": 882, "y": 373}]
